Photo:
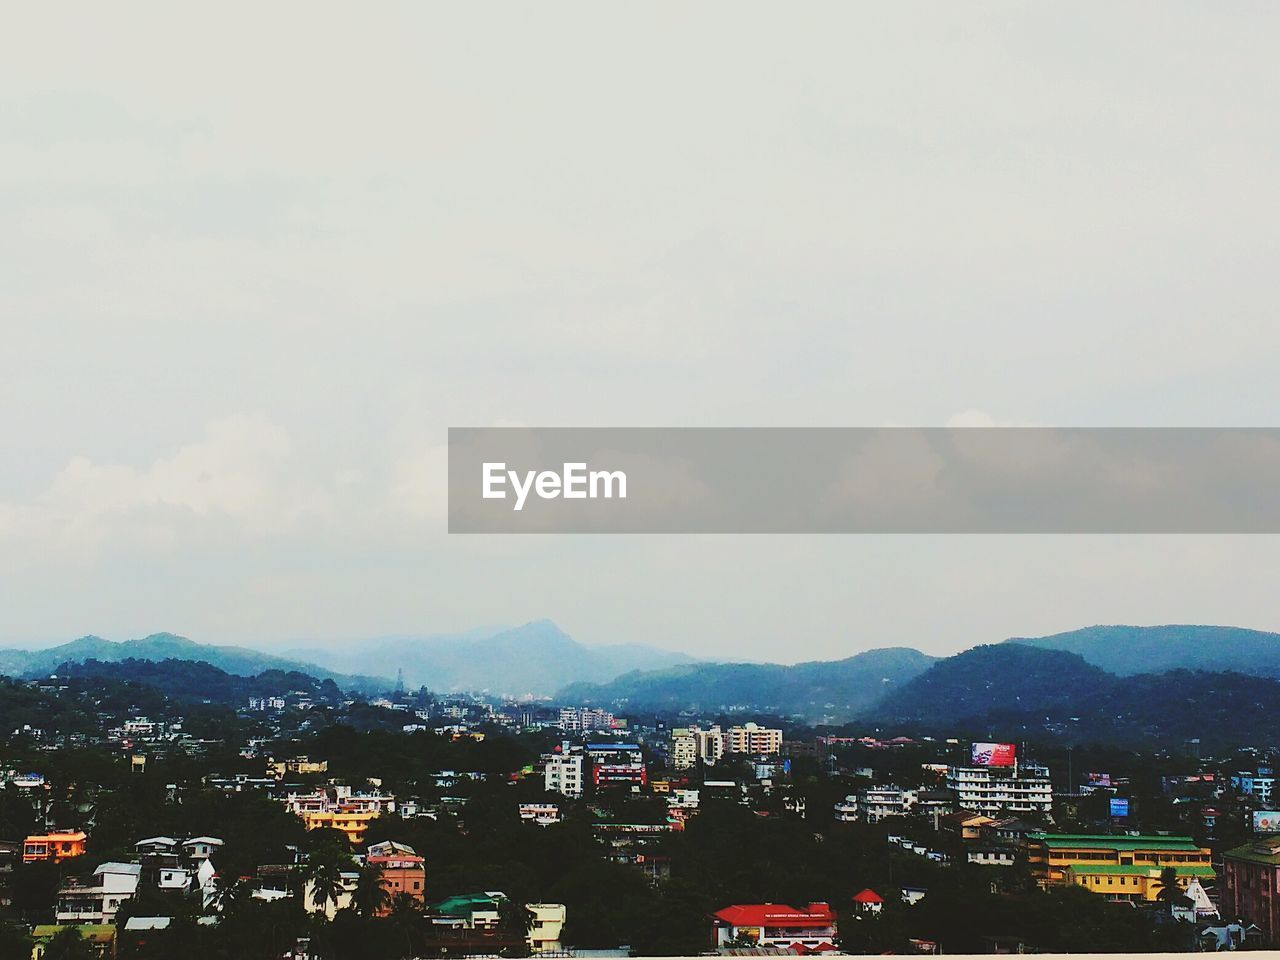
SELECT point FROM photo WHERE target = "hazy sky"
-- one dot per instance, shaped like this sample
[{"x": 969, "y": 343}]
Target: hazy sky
[{"x": 256, "y": 259}]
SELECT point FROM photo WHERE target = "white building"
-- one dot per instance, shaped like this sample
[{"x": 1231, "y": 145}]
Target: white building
[
  {"x": 991, "y": 790},
  {"x": 98, "y": 900},
  {"x": 876, "y": 803},
  {"x": 564, "y": 773},
  {"x": 543, "y": 814}
]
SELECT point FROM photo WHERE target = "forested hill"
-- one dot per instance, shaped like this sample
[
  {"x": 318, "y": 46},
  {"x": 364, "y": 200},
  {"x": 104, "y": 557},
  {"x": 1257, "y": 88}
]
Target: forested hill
[
  {"x": 1007, "y": 690},
  {"x": 837, "y": 688},
  {"x": 194, "y": 681}
]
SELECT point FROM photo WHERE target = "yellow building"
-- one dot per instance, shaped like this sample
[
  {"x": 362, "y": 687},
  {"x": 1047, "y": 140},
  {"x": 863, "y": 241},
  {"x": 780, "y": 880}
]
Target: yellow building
[
  {"x": 353, "y": 823},
  {"x": 300, "y": 766},
  {"x": 1118, "y": 867}
]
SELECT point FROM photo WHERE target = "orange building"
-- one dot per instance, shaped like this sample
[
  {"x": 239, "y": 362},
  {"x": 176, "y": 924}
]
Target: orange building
[
  {"x": 57, "y": 846},
  {"x": 403, "y": 871}
]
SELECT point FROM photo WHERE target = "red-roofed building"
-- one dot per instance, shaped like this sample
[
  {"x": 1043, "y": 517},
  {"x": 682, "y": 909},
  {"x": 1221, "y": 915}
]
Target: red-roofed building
[
  {"x": 812, "y": 930},
  {"x": 868, "y": 901}
]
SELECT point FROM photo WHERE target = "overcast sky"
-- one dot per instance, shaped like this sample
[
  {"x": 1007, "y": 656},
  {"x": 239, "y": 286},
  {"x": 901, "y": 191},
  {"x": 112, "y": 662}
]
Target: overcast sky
[{"x": 256, "y": 259}]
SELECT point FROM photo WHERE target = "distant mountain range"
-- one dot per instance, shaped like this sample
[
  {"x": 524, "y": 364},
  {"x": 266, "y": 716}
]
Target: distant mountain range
[
  {"x": 1085, "y": 674},
  {"x": 1128, "y": 650},
  {"x": 817, "y": 689},
  {"x": 240, "y": 661},
  {"x": 1113, "y": 682},
  {"x": 537, "y": 658}
]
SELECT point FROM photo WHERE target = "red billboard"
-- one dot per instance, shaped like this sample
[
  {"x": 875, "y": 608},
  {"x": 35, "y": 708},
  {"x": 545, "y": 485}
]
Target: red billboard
[{"x": 994, "y": 754}]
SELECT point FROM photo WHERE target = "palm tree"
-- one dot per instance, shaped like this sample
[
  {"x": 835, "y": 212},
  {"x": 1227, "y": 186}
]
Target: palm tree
[
  {"x": 371, "y": 894},
  {"x": 1169, "y": 891},
  {"x": 325, "y": 876}
]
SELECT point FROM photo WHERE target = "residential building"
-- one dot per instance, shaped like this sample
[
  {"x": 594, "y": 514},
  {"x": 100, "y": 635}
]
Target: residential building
[
  {"x": 1123, "y": 867},
  {"x": 811, "y": 930},
  {"x": 986, "y": 856},
  {"x": 753, "y": 739},
  {"x": 876, "y": 803},
  {"x": 684, "y": 749},
  {"x": 339, "y": 808},
  {"x": 200, "y": 848},
  {"x": 476, "y": 911},
  {"x": 586, "y": 719},
  {"x": 691, "y": 744},
  {"x": 56, "y": 846},
  {"x": 993, "y": 790},
  {"x": 1250, "y": 888},
  {"x": 617, "y": 765},
  {"x": 96, "y": 900},
  {"x": 297, "y": 766},
  {"x": 403, "y": 871},
  {"x": 547, "y": 927},
  {"x": 563, "y": 773},
  {"x": 965, "y": 825},
  {"x": 868, "y": 902},
  {"x": 1260, "y": 786},
  {"x": 543, "y": 814}
]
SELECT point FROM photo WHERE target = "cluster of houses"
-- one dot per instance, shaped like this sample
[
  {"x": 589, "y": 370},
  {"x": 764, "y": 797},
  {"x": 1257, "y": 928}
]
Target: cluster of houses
[{"x": 464, "y": 924}]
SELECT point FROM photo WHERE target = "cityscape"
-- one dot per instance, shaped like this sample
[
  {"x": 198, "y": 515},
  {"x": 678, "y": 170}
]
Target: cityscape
[{"x": 160, "y": 808}]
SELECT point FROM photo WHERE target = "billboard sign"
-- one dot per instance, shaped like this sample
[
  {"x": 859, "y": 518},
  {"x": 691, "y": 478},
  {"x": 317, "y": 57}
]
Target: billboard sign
[
  {"x": 994, "y": 754},
  {"x": 1266, "y": 821},
  {"x": 1099, "y": 779},
  {"x": 1119, "y": 806}
]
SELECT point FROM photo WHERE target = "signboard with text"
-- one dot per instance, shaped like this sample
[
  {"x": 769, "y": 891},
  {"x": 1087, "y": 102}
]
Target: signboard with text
[
  {"x": 994, "y": 754},
  {"x": 1119, "y": 807}
]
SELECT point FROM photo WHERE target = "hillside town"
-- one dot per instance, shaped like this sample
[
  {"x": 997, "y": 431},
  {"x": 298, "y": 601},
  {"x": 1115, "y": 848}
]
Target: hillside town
[{"x": 306, "y": 823}]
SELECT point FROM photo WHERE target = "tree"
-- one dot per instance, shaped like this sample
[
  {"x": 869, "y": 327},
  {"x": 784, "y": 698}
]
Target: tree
[
  {"x": 371, "y": 895},
  {"x": 15, "y": 944},
  {"x": 324, "y": 873},
  {"x": 1169, "y": 891},
  {"x": 68, "y": 944}
]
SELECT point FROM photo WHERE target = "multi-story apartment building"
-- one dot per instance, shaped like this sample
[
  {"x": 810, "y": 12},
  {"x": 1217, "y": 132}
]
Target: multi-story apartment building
[
  {"x": 98, "y": 899},
  {"x": 563, "y": 773},
  {"x": 752, "y": 739},
  {"x": 1251, "y": 886},
  {"x": 403, "y": 872},
  {"x": 684, "y": 749},
  {"x": 1123, "y": 867},
  {"x": 617, "y": 764},
  {"x": 584, "y": 719},
  {"x": 876, "y": 803},
  {"x": 691, "y": 744},
  {"x": 1259, "y": 785},
  {"x": 992, "y": 790},
  {"x": 546, "y": 928},
  {"x": 338, "y": 808}
]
